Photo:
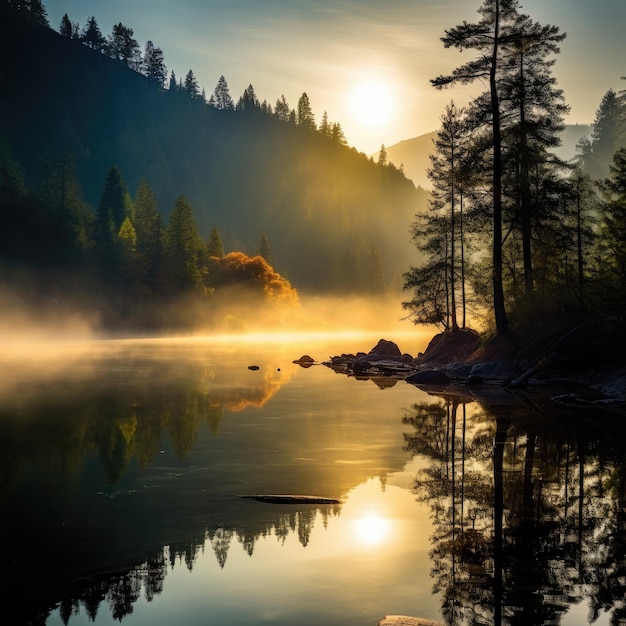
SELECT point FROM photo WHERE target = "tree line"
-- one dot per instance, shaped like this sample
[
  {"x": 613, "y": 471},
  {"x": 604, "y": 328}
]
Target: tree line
[
  {"x": 122, "y": 46},
  {"x": 512, "y": 229},
  {"x": 124, "y": 255}
]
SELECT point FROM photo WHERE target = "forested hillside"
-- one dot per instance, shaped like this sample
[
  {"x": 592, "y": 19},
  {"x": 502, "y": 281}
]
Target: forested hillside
[{"x": 332, "y": 217}]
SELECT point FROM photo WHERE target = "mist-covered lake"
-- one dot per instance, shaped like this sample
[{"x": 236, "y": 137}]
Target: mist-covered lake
[{"x": 124, "y": 463}]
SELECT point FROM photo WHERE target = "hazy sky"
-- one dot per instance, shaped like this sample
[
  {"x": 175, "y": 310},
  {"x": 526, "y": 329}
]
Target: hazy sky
[{"x": 334, "y": 49}]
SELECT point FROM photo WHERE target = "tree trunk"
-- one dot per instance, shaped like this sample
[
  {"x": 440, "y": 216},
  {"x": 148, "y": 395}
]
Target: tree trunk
[{"x": 498, "y": 291}]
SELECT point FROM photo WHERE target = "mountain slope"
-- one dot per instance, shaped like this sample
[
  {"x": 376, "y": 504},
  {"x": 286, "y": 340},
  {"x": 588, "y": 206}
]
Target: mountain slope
[{"x": 323, "y": 207}]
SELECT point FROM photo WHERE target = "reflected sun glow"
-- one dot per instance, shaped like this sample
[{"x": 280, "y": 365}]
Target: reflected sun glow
[{"x": 372, "y": 530}]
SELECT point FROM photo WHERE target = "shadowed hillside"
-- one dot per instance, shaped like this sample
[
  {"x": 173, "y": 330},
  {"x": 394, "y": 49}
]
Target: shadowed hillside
[{"x": 325, "y": 208}]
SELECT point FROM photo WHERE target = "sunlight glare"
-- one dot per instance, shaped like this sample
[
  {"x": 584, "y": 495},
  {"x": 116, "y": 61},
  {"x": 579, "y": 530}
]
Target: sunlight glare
[
  {"x": 371, "y": 103},
  {"x": 372, "y": 530}
]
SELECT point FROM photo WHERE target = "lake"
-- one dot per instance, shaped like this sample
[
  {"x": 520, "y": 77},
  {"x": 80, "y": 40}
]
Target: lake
[{"x": 125, "y": 463}]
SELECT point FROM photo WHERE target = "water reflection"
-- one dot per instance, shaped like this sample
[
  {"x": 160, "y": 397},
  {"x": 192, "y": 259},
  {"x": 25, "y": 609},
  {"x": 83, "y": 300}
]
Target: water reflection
[
  {"x": 123, "y": 463},
  {"x": 529, "y": 508},
  {"x": 122, "y": 469}
]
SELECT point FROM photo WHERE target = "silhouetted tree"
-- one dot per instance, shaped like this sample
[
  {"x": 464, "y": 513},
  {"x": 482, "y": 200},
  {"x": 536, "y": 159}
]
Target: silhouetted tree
[
  {"x": 487, "y": 37},
  {"x": 613, "y": 226},
  {"x": 68, "y": 28},
  {"x": 124, "y": 47},
  {"x": 153, "y": 64},
  {"x": 605, "y": 136},
  {"x": 92, "y": 36},
  {"x": 382, "y": 156},
  {"x": 248, "y": 100},
  {"x": 263, "y": 249},
  {"x": 305, "y": 113},
  {"x": 221, "y": 98},
  {"x": 281, "y": 109},
  {"x": 190, "y": 86}
]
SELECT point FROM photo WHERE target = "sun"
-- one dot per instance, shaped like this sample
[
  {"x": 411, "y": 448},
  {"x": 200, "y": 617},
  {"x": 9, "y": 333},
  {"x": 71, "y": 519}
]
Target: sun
[{"x": 371, "y": 103}]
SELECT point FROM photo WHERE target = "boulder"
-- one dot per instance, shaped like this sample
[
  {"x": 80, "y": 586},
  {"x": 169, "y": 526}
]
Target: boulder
[
  {"x": 429, "y": 377},
  {"x": 494, "y": 372},
  {"x": 386, "y": 348}
]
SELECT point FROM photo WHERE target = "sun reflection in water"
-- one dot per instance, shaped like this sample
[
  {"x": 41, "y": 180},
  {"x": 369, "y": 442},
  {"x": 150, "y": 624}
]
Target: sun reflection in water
[{"x": 372, "y": 530}]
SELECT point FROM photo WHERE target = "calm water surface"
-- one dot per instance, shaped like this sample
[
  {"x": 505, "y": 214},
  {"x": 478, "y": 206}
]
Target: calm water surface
[{"x": 124, "y": 463}]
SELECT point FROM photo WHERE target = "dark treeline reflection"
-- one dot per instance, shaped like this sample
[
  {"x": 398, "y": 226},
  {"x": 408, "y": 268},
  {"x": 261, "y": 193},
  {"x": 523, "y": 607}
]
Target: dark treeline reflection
[
  {"x": 120, "y": 591},
  {"x": 529, "y": 509}
]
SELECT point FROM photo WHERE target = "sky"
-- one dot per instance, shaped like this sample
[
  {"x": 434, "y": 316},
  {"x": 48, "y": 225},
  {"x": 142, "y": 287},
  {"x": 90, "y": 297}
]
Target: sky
[{"x": 366, "y": 63}]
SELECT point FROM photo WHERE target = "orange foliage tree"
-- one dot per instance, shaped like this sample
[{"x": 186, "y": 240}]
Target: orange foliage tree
[{"x": 252, "y": 275}]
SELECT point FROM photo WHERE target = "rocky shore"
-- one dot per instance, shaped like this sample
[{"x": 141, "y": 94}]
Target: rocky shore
[{"x": 583, "y": 366}]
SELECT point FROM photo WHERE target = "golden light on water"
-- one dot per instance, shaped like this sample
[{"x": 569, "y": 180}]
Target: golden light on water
[{"x": 372, "y": 530}]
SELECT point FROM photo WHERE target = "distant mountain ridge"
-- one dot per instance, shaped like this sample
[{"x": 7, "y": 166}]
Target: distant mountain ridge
[{"x": 413, "y": 154}]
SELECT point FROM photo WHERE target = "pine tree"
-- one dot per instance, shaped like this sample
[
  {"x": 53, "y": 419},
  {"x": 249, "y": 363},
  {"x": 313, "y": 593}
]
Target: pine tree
[
  {"x": 248, "y": 100},
  {"x": 124, "y": 47},
  {"x": 487, "y": 37},
  {"x": 337, "y": 135},
  {"x": 183, "y": 244},
  {"x": 221, "y": 97},
  {"x": 150, "y": 235},
  {"x": 215, "y": 245},
  {"x": 190, "y": 86},
  {"x": 153, "y": 64},
  {"x": 263, "y": 249},
  {"x": 39, "y": 13},
  {"x": 173, "y": 85},
  {"x": 92, "y": 36},
  {"x": 305, "y": 113},
  {"x": 613, "y": 227},
  {"x": 605, "y": 137},
  {"x": 115, "y": 204},
  {"x": 281, "y": 109},
  {"x": 445, "y": 174},
  {"x": 534, "y": 110},
  {"x": 382, "y": 156},
  {"x": 325, "y": 128},
  {"x": 66, "y": 28}
]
